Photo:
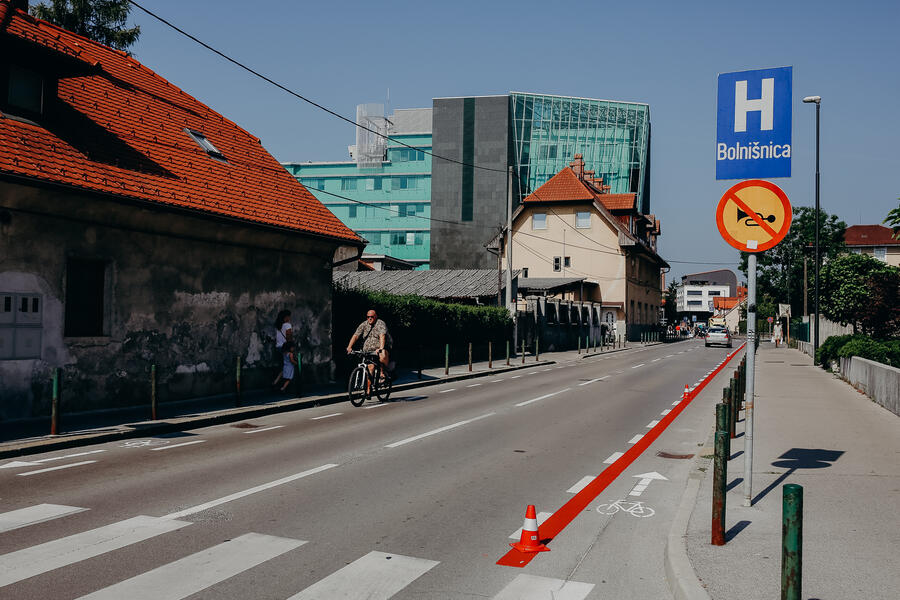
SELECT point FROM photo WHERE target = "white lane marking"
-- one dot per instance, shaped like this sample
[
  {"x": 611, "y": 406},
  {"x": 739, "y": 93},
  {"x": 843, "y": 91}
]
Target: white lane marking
[
  {"x": 636, "y": 438},
  {"x": 594, "y": 380},
  {"x": 473, "y": 385},
  {"x": 375, "y": 576},
  {"x": 676, "y": 403},
  {"x": 497, "y": 380},
  {"x": 43, "y": 460},
  {"x": 532, "y": 587},
  {"x": 259, "y": 488},
  {"x": 545, "y": 370},
  {"x": 54, "y": 554},
  {"x": 638, "y": 366},
  {"x": 682, "y": 352},
  {"x": 18, "y": 463},
  {"x": 613, "y": 458},
  {"x": 177, "y": 445},
  {"x": 438, "y": 430},
  {"x": 78, "y": 464},
  {"x": 195, "y": 573},
  {"x": 652, "y": 424},
  {"x": 582, "y": 483},
  {"x": 620, "y": 372},
  {"x": 374, "y": 406},
  {"x": 325, "y": 416},
  {"x": 271, "y": 428},
  {"x": 541, "y": 517},
  {"x": 531, "y": 373},
  {"x": 445, "y": 391},
  {"x": 515, "y": 376},
  {"x": 654, "y": 360},
  {"x": 669, "y": 355},
  {"x": 32, "y": 515},
  {"x": 542, "y": 397},
  {"x": 560, "y": 366},
  {"x": 665, "y": 412}
]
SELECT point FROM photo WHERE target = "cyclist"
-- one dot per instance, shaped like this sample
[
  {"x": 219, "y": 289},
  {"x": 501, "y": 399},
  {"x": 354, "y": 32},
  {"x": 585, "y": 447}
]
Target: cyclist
[{"x": 374, "y": 334}]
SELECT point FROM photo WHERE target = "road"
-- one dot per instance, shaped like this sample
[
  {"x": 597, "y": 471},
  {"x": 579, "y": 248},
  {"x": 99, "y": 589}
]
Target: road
[{"x": 418, "y": 497}]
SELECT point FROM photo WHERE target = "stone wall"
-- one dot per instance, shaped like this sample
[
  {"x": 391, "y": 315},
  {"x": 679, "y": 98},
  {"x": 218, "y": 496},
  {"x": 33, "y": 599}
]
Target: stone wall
[{"x": 187, "y": 293}]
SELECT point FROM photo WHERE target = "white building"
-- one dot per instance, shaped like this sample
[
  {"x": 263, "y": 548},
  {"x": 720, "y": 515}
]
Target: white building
[{"x": 698, "y": 291}]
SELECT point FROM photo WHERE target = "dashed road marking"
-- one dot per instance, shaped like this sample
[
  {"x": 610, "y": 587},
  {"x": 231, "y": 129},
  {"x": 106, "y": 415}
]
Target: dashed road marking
[
  {"x": 325, "y": 416},
  {"x": 638, "y": 366},
  {"x": 177, "y": 445},
  {"x": 438, "y": 430},
  {"x": 279, "y": 426},
  {"x": 542, "y": 397},
  {"x": 636, "y": 438},
  {"x": 445, "y": 391},
  {"x": 651, "y": 424},
  {"x": 473, "y": 385},
  {"x": 613, "y": 458},
  {"x": 78, "y": 464}
]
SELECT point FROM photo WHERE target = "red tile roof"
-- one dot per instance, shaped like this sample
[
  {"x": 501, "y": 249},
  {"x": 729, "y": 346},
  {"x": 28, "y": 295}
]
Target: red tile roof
[
  {"x": 566, "y": 186},
  {"x": 870, "y": 235},
  {"x": 118, "y": 128}
]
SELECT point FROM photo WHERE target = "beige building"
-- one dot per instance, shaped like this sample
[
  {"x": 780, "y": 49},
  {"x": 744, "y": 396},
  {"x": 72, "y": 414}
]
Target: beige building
[
  {"x": 874, "y": 240},
  {"x": 572, "y": 227}
]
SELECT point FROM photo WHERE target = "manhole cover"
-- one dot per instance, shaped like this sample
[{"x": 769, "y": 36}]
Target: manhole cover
[
  {"x": 244, "y": 425},
  {"x": 662, "y": 454}
]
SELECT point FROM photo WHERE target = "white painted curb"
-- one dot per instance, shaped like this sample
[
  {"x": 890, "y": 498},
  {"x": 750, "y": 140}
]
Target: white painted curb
[{"x": 680, "y": 573}]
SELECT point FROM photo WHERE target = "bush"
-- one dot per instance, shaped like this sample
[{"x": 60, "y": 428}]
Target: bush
[
  {"x": 893, "y": 352},
  {"x": 828, "y": 350},
  {"x": 865, "y": 347}
]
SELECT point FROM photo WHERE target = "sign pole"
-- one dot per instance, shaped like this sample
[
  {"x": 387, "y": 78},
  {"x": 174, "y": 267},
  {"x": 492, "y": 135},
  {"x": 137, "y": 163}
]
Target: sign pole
[{"x": 751, "y": 364}]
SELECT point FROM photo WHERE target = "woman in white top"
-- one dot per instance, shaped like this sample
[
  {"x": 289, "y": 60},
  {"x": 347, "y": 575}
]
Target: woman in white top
[{"x": 283, "y": 333}]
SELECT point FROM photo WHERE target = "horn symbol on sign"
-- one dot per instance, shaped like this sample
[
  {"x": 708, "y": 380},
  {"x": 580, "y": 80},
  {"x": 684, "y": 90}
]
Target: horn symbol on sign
[{"x": 749, "y": 222}]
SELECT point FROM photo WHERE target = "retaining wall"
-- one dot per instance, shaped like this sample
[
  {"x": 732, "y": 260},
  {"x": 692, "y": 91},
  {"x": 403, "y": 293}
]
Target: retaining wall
[{"x": 879, "y": 382}]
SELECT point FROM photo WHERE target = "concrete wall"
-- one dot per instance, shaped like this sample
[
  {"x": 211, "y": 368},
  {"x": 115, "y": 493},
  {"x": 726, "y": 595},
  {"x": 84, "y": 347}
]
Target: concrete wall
[
  {"x": 186, "y": 293},
  {"x": 879, "y": 382},
  {"x": 468, "y": 130}
]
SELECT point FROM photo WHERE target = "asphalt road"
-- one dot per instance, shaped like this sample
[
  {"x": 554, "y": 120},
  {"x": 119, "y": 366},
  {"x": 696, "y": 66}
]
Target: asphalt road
[{"x": 413, "y": 498}]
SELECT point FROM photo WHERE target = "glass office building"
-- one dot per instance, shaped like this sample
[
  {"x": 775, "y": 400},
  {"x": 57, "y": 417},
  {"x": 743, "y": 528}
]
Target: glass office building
[
  {"x": 384, "y": 192},
  {"x": 614, "y": 138}
]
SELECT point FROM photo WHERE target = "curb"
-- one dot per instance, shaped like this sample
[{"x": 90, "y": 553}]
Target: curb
[{"x": 148, "y": 428}]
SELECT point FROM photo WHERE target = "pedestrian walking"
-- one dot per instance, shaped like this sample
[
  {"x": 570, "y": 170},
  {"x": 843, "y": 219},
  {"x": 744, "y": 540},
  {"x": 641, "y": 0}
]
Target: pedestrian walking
[
  {"x": 283, "y": 333},
  {"x": 289, "y": 363}
]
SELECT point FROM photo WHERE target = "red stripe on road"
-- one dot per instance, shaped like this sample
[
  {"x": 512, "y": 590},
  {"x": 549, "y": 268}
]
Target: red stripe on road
[{"x": 559, "y": 520}]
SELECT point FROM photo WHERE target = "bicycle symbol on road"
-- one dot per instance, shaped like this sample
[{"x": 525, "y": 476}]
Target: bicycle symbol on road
[
  {"x": 143, "y": 443},
  {"x": 635, "y": 509}
]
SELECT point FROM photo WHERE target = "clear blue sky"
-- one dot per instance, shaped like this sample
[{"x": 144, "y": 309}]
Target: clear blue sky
[{"x": 664, "y": 53}]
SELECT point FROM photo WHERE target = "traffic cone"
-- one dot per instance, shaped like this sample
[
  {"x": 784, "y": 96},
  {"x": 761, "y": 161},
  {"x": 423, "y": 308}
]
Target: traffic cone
[
  {"x": 530, "y": 540},
  {"x": 687, "y": 391}
]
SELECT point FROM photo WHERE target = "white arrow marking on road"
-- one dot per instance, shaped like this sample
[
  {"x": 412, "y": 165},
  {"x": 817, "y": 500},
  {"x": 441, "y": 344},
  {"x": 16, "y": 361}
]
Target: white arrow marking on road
[{"x": 646, "y": 479}]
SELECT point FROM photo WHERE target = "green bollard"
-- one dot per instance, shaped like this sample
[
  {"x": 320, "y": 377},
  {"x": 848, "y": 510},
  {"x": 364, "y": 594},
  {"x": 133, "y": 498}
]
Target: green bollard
[
  {"x": 720, "y": 475},
  {"x": 723, "y": 418},
  {"x": 507, "y": 353},
  {"x": 586, "y": 344},
  {"x": 237, "y": 382},
  {"x": 470, "y": 357},
  {"x": 54, "y": 404},
  {"x": 446, "y": 359},
  {"x": 791, "y": 541},
  {"x": 523, "y": 351},
  {"x": 537, "y": 349},
  {"x": 152, "y": 392},
  {"x": 490, "y": 358}
]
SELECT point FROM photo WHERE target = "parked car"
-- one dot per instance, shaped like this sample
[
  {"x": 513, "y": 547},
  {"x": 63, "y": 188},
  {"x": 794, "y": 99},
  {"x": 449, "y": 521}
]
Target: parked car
[{"x": 718, "y": 335}]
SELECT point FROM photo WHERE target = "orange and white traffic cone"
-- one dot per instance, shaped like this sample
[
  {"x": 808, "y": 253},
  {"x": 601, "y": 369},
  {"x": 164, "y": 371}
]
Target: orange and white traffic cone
[
  {"x": 530, "y": 541},
  {"x": 686, "y": 393}
]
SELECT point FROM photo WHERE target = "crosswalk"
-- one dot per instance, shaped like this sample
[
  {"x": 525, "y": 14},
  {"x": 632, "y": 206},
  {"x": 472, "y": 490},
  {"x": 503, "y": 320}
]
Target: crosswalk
[{"x": 375, "y": 575}]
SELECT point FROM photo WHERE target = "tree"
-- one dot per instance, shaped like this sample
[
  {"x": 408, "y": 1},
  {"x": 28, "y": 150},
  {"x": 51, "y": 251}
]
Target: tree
[
  {"x": 893, "y": 220},
  {"x": 862, "y": 291},
  {"x": 671, "y": 306},
  {"x": 100, "y": 20},
  {"x": 779, "y": 274}
]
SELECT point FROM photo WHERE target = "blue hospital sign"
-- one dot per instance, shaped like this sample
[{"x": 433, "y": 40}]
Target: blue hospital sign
[{"x": 753, "y": 129}]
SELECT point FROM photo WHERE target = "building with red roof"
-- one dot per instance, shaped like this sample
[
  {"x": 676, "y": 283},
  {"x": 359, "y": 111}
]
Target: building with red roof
[
  {"x": 874, "y": 240},
  {"x": 571, "y": 226},
  {"x": 141, "y": 227}
]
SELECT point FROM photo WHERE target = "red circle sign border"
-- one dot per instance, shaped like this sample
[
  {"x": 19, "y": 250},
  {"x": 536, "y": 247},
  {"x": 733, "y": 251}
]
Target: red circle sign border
[{"x": 786, "y": 204}]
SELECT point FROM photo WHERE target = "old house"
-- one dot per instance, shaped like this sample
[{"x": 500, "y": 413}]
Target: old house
[
  {"x": 139, "y": 227},
  {"x": 597, "y": 245}
]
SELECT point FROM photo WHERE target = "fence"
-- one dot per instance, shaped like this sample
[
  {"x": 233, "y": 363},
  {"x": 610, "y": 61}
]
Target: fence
[{"x": 879, "y": 382}]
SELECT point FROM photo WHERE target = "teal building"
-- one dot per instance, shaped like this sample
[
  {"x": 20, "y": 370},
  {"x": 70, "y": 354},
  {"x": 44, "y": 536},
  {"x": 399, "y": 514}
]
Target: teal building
[{"x": 383, "y": 192}]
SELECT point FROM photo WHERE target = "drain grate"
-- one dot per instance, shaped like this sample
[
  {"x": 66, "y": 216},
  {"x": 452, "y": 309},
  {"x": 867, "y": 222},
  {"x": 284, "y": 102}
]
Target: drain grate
[{"x": 662, "y": 454}]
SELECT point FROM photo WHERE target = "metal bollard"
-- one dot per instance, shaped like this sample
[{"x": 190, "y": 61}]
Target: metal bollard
[
  {"x": 54, "y": 404},
  {"x": 523, "y": 351},
  {"x": 507, "y": 353},
  {"x": 537, "y": 349},
  {"x": 420, "y": 359},
  {"x": 470, "y": 357},
  {"x": 237, "y": 382},
  {"x": 723, "y": 418},
  {"x": 446, "y": 359},
  {"x": 152, "y": 392},
  {"x": 490, "y": 358},
  {"x": 579, "y": 344},
  {"x": 791, "y": 541},
  {"x": 720, "y": 475}
]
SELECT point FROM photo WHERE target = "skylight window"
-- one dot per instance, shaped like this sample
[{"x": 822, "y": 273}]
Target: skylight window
[{"x": 207, "y": 145}]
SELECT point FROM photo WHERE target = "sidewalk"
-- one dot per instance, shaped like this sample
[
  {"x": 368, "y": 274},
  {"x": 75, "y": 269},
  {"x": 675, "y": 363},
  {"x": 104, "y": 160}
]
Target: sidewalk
[
  {"x": 815, "y": 430},
  {"x": 23, "y": 437}
]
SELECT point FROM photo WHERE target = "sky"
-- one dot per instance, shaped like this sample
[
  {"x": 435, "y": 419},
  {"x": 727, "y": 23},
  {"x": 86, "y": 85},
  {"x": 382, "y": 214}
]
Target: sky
[{"x": 666, "y": 54}]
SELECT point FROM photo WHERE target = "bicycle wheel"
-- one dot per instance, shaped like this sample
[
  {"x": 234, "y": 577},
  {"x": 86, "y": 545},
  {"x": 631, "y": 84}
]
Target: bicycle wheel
[
  {"x": 642, "y": 511},
  {"x": 356, "y": 386},
  {"x": 383, "y": 387},
  {"x": 608, "y": 508}
]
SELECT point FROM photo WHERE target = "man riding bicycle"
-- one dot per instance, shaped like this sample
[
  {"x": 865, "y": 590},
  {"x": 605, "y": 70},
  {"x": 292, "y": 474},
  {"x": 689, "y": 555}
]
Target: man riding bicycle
[{"x": 374, "y": 333}]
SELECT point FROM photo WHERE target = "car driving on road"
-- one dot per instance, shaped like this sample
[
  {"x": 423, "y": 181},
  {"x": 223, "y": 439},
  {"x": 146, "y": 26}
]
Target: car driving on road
[{"x": 718, "y": 335}]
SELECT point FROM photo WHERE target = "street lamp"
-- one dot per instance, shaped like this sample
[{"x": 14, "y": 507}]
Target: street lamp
[{"x": 817, "y": 100}]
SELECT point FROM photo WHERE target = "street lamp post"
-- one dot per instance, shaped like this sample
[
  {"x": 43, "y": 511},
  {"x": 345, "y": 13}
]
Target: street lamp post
[{"x": 817, "y": 100}]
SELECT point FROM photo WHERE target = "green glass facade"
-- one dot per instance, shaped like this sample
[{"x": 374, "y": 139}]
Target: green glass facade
[
  {"x": 389, "y": 205},
  {"x": 614, "y": 137}
]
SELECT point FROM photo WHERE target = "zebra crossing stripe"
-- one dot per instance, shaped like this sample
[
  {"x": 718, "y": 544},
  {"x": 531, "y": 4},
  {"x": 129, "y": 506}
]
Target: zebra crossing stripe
[
  {"x": 199, "y": 571},
  {"x": 532, "y": 587},
  {"x": 31, "y": 515},
  {"x": 375, "y": 576},
  {"x": 54, "y": 554}
]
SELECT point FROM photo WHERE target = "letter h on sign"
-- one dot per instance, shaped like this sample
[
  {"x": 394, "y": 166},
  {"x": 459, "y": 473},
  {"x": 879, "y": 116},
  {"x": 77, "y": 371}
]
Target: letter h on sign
[{"x": 753, "y": 129}]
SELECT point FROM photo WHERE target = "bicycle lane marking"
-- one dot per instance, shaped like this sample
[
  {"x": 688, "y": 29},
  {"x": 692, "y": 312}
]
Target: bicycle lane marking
[{"x": 560, "y": 519}]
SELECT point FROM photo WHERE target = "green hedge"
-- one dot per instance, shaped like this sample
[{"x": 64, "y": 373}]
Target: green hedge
[
  {"x": 843, "y": 346},
  {"x": 421, "y": 327}
]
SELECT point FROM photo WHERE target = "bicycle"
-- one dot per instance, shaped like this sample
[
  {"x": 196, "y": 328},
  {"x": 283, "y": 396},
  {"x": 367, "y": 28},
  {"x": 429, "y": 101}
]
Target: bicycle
[
  {"x": 362, "y": 384},
  {"x": 636, "y": 509}
]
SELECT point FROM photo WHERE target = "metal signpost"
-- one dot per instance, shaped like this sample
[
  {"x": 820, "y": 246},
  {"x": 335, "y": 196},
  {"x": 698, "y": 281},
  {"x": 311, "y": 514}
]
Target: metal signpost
[{"x": 753, "y": 139}]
